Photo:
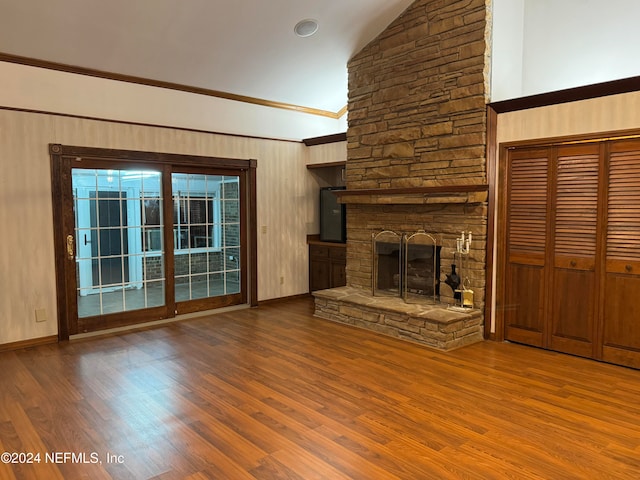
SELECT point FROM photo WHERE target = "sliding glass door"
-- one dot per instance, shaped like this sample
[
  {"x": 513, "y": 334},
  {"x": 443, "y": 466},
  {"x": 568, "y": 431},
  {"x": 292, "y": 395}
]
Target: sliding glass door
[{"x": 142, "y": 241}]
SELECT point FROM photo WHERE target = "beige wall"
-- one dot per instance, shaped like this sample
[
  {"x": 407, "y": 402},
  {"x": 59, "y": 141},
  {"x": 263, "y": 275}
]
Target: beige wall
[
  {"x": 605, "y": 114},
  {"x": 286, "y": 206}
]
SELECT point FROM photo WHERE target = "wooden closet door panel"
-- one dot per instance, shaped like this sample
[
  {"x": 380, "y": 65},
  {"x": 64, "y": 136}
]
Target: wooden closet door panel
[
  {"x": 527, "y": 218},
  {"x": 622, "y": 320},
  {"x": 621, "y": 310},
  {"x": 573, "y": 312},
  {"x": 524, "y": 312},
  {"x": 575, "y": 226}
]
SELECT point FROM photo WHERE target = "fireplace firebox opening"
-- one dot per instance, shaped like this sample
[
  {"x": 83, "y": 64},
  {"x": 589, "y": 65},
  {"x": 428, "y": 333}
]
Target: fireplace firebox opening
[{"x": 406, "y": 265}]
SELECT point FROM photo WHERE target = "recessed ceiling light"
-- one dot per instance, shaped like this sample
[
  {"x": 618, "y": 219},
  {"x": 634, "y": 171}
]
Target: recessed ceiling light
[{"x": 306, "y": 28}]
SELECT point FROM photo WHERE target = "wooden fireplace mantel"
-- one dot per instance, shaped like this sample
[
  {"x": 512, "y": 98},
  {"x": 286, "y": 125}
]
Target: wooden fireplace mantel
[{"x": 416, "y": 195}]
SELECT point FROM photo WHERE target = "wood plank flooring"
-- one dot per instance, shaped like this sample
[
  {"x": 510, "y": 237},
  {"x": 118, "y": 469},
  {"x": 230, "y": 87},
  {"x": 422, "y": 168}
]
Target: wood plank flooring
[{"x": 274, "y": 393}]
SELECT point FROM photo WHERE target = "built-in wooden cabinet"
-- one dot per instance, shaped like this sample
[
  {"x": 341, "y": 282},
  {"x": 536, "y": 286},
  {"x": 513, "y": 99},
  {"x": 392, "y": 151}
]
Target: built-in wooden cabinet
[
  {"x": 327, "y": 264},
  {"x": 327, "y": 261},
  {"x": 572, "y": 248}
]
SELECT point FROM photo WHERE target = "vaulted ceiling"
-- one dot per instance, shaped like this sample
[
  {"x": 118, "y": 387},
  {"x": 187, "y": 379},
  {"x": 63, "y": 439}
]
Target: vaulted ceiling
[{"x": 240, "y": 47}]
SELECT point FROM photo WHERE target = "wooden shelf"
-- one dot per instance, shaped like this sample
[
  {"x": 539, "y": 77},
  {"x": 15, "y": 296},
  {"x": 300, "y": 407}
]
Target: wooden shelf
[
  {"x": 416, "y": 190},
  {"x": 314, "y": 239},
  {"x": 312, "y": 166},
  {"x": 416, "y": 195}
]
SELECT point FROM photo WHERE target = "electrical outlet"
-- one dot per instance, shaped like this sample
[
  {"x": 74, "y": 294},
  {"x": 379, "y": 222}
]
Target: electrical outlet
[
  {"x": 281, "y": 280},
  {"x": 41, "y": 315},
  {"x": 263, "y": 229}
]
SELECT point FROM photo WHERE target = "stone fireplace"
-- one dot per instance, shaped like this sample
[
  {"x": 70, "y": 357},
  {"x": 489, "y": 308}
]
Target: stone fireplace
[
  {"x": 440, "y": 324},
  {"x": 416, "y": 162}
]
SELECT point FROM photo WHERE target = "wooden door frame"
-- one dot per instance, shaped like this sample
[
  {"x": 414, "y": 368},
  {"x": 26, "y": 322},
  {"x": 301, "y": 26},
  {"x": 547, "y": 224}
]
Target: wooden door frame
[
  {"x": 502, "y": 206},
  {"x": 62, "y": 158}
]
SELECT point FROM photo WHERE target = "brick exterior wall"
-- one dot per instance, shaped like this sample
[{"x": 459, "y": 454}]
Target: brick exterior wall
[
  {"x": 417, "y": 118},
  {"x": 194, "y": 264}
]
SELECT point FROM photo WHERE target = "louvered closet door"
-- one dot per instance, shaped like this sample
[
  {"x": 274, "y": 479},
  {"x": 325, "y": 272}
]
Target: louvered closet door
[
  {"x": 573, "y": 293},
  {"x": 621, "y": 309},
  {"x": 527, "y": 191}
]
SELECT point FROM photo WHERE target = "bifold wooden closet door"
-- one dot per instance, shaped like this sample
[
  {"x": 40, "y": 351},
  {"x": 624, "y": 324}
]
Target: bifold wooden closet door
[
  {"x": 620, "y": 310},
  {"x": 572, "y": 268},
  {"x": 527, "y": 223}
]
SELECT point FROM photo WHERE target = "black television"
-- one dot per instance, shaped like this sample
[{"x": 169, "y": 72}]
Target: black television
[{"x": 333, "y": 226}]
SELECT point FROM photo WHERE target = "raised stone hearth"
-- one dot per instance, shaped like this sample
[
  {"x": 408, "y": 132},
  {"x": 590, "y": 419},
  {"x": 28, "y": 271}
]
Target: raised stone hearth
[{"x": 432, "y": 325}]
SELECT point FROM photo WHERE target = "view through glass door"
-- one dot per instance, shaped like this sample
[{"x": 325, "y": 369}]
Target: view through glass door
[
  {"x": 120, "y": 241},
  {"x": 143, "y": 236},
  {"x": 120, "y": 253},
  {"x": 206, "y": 236}
]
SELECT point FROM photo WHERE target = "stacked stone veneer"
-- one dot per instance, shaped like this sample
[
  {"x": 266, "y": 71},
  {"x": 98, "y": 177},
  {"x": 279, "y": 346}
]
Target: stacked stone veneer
[
  {"x": 417, "y": 118},
  {"x": 440, "y": 328},
  {"x": 417, "y": 98}
]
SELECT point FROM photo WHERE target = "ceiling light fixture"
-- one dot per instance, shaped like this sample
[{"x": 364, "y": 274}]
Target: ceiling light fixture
[{"x": 306, "y": 28}]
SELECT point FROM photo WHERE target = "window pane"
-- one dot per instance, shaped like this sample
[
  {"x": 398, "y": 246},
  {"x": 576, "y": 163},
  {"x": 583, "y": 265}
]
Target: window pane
[
  {"x": 216, "y": 262},
  {"x": 231, "y": 235},
  {"x": 231, "y": 211},
  {"x": 232, "y": 258},
  {"x": 233, "y": 282},
  {"x": 216, "y": 284},
  {"x": 197, "y": 211},
  {"x": 151, "y": 182},
  {"x": 152, "y": 239},
  {"x": 231, "y": 188},
  {"x": 151, "y": 214}
]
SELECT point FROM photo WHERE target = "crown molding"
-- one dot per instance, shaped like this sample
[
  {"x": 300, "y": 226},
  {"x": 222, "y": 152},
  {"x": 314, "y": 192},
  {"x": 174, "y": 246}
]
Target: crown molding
[
  {"x": 576, "y": 94},
  {"x": 90, "y": 72},
  {"x": 336, "y": 137}
]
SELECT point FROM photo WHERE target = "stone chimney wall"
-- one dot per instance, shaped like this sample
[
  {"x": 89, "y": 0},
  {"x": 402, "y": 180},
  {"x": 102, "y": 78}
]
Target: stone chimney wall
[
  {"x": 417, "y": 99},
  {"x": 417, "y": 118}
]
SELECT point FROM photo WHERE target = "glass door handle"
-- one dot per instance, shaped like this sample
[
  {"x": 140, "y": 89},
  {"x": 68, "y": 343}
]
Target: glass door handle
[{"x": 70, "y": 246}]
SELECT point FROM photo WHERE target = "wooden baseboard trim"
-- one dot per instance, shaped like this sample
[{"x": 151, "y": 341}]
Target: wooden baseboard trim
[
  {"x": 271, "y": 301},
  {"x": 32, "y": 342}
]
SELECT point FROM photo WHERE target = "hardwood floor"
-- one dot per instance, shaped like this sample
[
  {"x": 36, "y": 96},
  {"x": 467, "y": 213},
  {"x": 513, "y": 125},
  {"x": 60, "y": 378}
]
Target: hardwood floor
[{"x": 273, "y": 393}]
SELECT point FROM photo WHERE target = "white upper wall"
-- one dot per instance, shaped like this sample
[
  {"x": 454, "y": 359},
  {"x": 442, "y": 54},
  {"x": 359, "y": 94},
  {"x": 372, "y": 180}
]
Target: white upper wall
[
  {"x": 562, "y": 44},
  {"x": 40, "y": 89},
  {"x": 507, "y": 47}
]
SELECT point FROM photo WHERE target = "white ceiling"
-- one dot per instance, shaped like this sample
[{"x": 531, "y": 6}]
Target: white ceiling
[{"x": 241, "y": 47}]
